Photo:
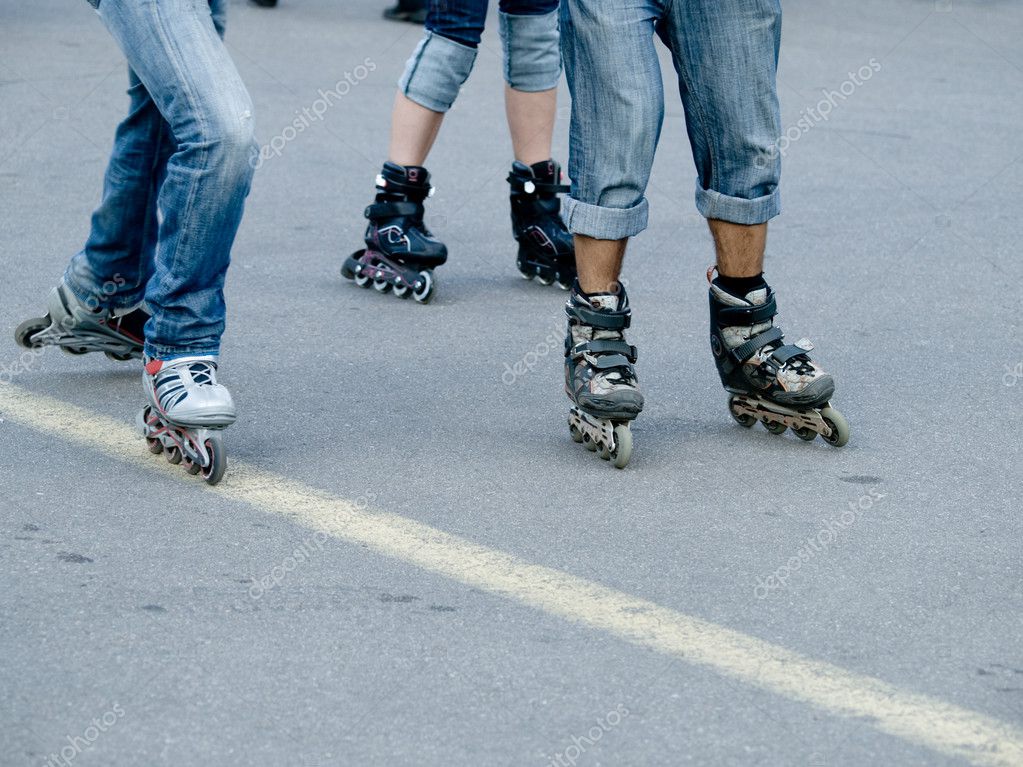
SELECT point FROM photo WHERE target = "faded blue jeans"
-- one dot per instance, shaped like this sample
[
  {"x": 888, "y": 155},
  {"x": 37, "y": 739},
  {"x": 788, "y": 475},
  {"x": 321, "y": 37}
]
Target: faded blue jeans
[
  {"x": 726, "y": 55},
  {"x": 445, "y": 56},
  {"x": 177, "y": 180}
]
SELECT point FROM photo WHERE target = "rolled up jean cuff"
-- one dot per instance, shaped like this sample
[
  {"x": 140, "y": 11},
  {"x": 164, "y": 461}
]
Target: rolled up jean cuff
[
  {"x": 602, "y": 223},
  {"x": 737, "y": 210},
  {"x": 532, "y": 51},
  {"x": 436, "y": 71}
]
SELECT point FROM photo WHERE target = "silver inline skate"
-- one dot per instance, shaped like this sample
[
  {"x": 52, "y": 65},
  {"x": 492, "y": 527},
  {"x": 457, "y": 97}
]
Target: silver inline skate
[
  {"x": 187, "y": 413},
  {"x": 78, "y": 328}
]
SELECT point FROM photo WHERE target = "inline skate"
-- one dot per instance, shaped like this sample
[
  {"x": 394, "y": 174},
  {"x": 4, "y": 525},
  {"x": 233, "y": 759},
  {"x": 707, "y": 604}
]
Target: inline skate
[
  {"x": 546, "y": 251},
  {"x": 599, "y": 375},
  {"x": 186, "y": 414},
  {"x": 400, "y": 252},
  {"x": 78, "y": 328},
  {"x": 767, "y": 380}
]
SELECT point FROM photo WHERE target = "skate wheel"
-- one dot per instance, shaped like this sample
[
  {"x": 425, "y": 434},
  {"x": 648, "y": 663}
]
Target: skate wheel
[
  {"x": 423, "y": 291},
  {"x": 590, "y": 444},
  {"x": 806, "y": 434},
  {"x": 381, "y": 285},
  {"x": 775, "y": 427},
  {"x": 25, "y": 332},
  {"x": 605, "y": 453},
  {"x": 350, "y": 265},
  {"x": 74, "y": 351},
  {"x": 192, "y": 467},
  {"x": 838, "y": 425},
  {"x": 743, "y": 419},
  {"x": 213, "y": 473},
  {"x": 403, "y": 291},
  {"x": 362, "y": 279},
  {"x": 577, "y": 436},
  {"x": 623, "y": 446},
  {"x": 564, "y": 285},
  {"x": 543, "y": 279},
  {"x": 173, "y": 455},
  {"x": 118, "y": 357},
  {"x": 155, "y": 445},
  {"x": 526, "y": 275}
]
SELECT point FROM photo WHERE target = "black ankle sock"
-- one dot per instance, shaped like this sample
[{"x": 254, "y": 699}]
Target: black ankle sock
[{"x": 740, "y": 286}]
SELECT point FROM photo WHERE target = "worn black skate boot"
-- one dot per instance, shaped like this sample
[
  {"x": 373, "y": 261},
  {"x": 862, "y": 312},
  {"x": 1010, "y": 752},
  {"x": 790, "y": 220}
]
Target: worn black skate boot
[
  {"x": 599, "y": 375},
  {"x": 767, "y": 380}
]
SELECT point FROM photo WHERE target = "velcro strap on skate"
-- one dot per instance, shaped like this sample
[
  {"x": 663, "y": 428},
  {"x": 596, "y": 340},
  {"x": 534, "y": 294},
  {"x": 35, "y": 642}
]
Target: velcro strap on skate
[
  {"x": 394, "y": 186},
  {"x": 602, "y": 320},
  {"x": 608, "y": 361},
  {"x": 518, "y": 184},
  {"x": 744, "y": 351},
  {"x": 783, "y": 354},
  {"x": 607, "y": 347},
  {"x": 745, "y": 315},
  {"x": 393, "y": 209}
]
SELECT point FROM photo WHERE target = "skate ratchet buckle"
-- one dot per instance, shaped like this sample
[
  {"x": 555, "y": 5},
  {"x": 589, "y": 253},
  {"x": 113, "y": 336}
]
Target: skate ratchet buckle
[{"x": 613, "y": 438}]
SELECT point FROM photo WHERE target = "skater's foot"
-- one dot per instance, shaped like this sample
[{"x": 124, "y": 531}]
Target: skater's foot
[
  {"x": 546, "y": 249},
  {"x": 396, "y": 227},
  {"x": 752, "y": 356},
  {"x": 185, "y": 392},
  {"x": 599, "y": 374},
  {"x": 79, "y": 327}
]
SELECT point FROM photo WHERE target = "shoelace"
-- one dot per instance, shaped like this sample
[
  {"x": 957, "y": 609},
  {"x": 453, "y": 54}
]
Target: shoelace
[{"x": 202, "y": 373}]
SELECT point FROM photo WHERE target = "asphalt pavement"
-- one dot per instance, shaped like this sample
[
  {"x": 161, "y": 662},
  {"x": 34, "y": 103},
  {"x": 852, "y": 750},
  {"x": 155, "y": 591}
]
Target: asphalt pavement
[{"x": 411, "y": 562}]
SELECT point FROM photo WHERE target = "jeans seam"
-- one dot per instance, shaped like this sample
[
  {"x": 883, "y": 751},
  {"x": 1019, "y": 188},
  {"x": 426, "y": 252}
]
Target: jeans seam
[
  {"x": 419, "y": 57},
  {"x": 684, "y": 74},
  {"x": 507, "y": 27},
  {"x": 204, "y": 156}
]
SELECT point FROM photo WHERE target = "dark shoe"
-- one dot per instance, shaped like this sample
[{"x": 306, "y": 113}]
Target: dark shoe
[{"x": 413, "y": 11}]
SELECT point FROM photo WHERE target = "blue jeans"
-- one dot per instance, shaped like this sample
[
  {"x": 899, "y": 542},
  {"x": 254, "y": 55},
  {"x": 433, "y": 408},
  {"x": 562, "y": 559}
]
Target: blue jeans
[
  {"x": 463, "y": 20},
  {"x": 726, "y": 55},
  {"x": 445, "y": 56},
  {"x": 178, "y": 176}
]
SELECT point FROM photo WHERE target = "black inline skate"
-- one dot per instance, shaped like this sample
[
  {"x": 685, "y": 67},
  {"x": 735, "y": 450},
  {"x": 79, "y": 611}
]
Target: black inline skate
[
  {"x": 78, "y": 328},
  {"x": 599, "y": 375},
  {"x": 545, "y": 244},
  {"x": 767, "y": 380},
  {"x": 400, "y": 252}
]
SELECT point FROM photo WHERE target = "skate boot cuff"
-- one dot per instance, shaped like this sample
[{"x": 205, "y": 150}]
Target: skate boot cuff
[
  {"x": 542, "y": 178},
  {"x": 725, "y": 315},
  {"x": 404, "y": 181},
  {"x": 154, "y": 366}
]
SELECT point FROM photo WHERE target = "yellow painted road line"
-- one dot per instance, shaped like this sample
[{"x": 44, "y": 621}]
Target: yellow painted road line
[{"x": 919, "y": 719}]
